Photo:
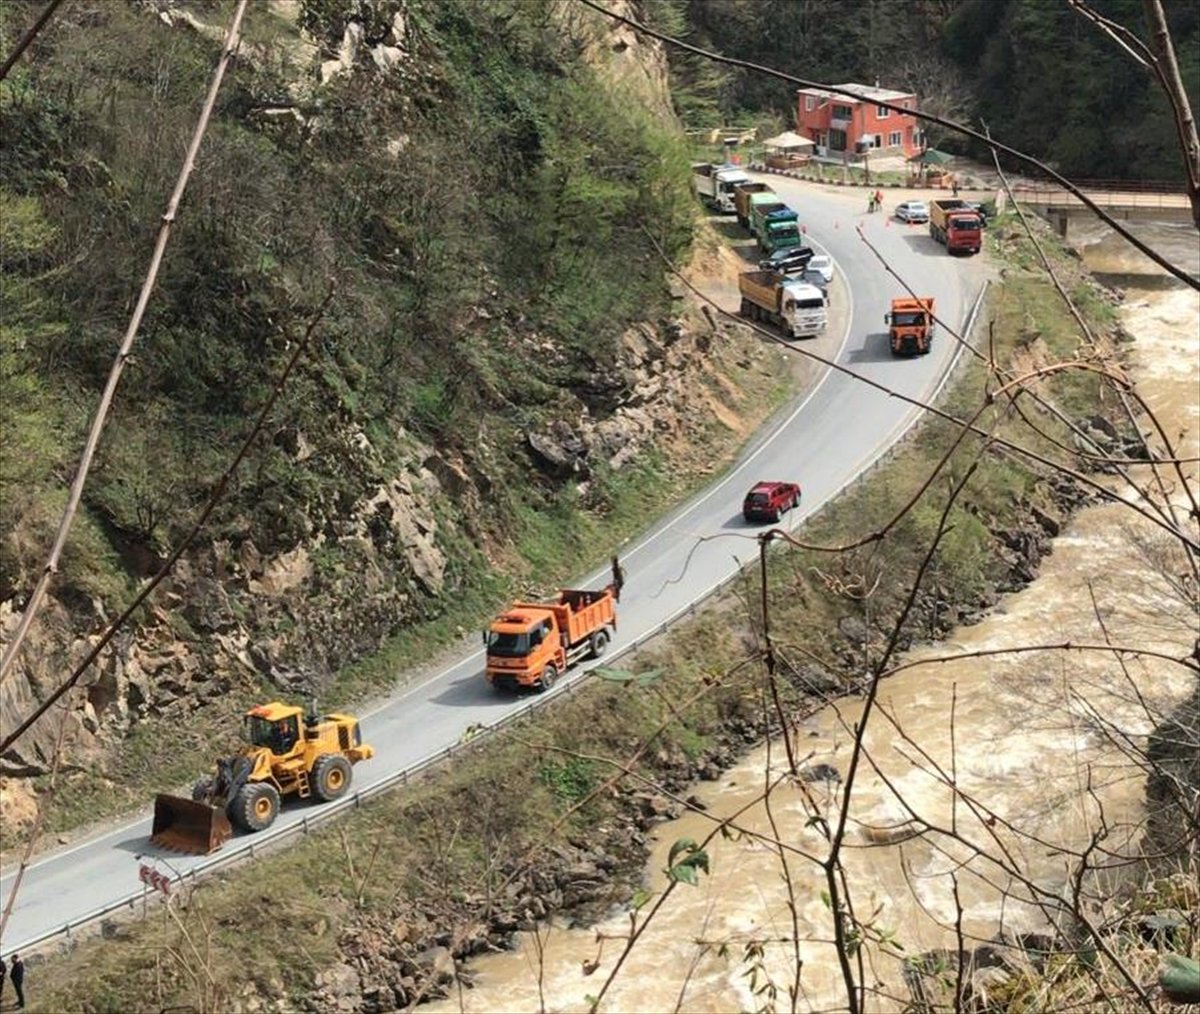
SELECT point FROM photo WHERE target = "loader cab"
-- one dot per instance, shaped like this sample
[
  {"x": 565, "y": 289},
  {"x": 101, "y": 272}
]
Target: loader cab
[{"x": 279, "y": 733}]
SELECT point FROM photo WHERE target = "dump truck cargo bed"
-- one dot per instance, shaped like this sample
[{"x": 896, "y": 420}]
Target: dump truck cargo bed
[
  {"x": 184, "y": 825},
  {"x": 578, "y": 612}
]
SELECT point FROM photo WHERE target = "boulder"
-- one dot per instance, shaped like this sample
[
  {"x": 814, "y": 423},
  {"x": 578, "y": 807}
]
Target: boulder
[
  {"x": 438, "y": 963},
  {"x": 820, "y": 773}
]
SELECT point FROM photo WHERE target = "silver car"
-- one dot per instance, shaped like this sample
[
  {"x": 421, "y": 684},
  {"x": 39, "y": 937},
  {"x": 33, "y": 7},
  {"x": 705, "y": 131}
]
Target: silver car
[
  {"x": 912, "y": 211},
  {"x": 822, "y": 264}
]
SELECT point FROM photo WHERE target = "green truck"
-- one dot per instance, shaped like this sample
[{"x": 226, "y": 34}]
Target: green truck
[{"x": 778, "y": 229}]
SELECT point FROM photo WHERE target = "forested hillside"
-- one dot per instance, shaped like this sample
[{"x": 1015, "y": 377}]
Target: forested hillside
[
  {"x": 1042, "y": 77},
  {"x": 486, "y": 198}
]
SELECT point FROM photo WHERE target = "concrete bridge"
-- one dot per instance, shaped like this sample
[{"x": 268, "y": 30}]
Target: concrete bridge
[{"x": 1126, "y": 200}]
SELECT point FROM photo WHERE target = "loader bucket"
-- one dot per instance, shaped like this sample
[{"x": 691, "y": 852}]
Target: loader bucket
[{"x": 186, "y": 826}]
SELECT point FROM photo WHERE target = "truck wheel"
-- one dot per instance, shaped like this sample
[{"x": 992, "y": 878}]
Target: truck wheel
[
  {"x": 599, "y": 643},
  {"x": 255, "y": 807},
  {"x": 549, "y": 678},
  {"x": 331, "y": 777}
]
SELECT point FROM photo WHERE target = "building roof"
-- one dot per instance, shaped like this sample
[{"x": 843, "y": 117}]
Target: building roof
[
  {"x": 868, "y": 92},
  {"x": 789, "y": 139}
]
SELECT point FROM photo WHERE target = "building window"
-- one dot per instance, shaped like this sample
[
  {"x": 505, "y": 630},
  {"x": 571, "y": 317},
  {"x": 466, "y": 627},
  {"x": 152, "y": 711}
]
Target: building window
[
  {"x": 876, "y": 141},
  {"x": 881, "y": 112},
  {"x": 809, "y": 103},
  {"x": 842, "y": 112},
  {"x": 894, "y": 139}
]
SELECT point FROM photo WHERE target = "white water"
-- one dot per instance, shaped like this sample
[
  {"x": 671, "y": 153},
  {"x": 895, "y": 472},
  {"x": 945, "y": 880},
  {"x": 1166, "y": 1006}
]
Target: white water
[{"x": 1035, "y": 742}]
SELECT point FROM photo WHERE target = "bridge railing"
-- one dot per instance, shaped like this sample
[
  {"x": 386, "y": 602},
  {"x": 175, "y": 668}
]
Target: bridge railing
[{"x": 1106, "y": 194}]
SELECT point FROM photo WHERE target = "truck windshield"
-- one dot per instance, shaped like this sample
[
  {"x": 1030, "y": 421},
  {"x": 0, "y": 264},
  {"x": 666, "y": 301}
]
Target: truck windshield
[
  {"x": 811, "y": 303},
  {"x": 508, "y": 645},
  {"x": 964, "y": 224},
  {"x": 908, "y": 319}
]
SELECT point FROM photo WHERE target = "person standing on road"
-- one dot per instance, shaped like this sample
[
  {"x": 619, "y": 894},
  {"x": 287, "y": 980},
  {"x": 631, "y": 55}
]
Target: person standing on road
[
  {"x": 878, "y": 200},
  {"x": 17, "y": 974}
]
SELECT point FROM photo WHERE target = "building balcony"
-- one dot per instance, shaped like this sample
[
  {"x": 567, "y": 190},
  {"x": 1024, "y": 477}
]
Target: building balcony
[{"x": 839, "y": 124}]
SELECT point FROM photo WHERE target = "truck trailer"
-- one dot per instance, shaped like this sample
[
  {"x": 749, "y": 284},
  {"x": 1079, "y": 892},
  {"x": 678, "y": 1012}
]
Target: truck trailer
[
  {"x": 741, "y": 199},
  {"x": 956, "y": 225},
  {"x": 715, "y": 184},
  {"x": 531, "y": 644},
  {"x": 911, "y": 325},
  {"x": 794, "y": 306}
]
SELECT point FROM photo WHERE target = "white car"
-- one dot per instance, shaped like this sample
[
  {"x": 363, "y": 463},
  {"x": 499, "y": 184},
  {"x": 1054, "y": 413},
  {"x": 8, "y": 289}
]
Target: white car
[
  {"x": 822, "y": 264},
  {"x": 912, "y": 211}
]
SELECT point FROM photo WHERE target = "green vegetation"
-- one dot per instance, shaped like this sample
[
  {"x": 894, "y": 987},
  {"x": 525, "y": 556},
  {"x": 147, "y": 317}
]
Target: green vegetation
[
  {"x": 1042, "y": 77},
  {"x": 451, "y": 841},
  {"x": 487, "y": 214},
  {"x": 568, "y": 177}
]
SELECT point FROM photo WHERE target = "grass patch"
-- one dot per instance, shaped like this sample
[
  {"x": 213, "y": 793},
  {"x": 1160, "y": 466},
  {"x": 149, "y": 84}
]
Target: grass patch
[{"x": 446, "y": 845}]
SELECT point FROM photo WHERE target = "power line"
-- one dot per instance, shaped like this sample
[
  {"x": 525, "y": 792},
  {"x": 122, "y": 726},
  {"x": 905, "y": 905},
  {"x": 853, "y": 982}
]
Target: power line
[
  {"x": 114, "y": 376},
  {"x": 960, "y": 128},
  {"x": 162, "y": 572},
  {"x": 27, "y": 38}
]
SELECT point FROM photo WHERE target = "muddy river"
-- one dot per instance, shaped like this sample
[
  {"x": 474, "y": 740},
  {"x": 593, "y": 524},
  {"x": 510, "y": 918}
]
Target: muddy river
[{"x": 1032, "y": 740}]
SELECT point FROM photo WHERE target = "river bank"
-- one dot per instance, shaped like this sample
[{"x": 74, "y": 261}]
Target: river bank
[
  {"x": 541, "y": 819},
  {"x": 1039, "y": 745}
]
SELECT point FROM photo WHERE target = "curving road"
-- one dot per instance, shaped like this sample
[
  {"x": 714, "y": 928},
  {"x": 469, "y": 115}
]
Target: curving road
[{"x": 835, "y": 432}]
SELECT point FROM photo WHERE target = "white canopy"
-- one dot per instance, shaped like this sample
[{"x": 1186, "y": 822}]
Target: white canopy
[{"x": 790, "y": 139}]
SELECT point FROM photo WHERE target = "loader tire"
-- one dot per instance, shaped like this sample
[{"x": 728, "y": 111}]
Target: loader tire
[
  {"x": 331, "y": 777},
  {"x": 599, "y": 643},
  {"x": 255, "y": 807}
]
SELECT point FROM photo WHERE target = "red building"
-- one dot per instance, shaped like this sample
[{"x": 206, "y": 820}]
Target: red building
[{"x": 840, "y": 124}]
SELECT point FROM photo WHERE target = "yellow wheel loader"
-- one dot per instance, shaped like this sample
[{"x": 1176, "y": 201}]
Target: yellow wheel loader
[{"x": 288, "y": 752}]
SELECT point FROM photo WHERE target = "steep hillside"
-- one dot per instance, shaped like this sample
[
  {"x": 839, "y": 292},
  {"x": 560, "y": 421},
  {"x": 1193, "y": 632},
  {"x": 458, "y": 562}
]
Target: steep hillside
[{"x": 503, "y": 374}]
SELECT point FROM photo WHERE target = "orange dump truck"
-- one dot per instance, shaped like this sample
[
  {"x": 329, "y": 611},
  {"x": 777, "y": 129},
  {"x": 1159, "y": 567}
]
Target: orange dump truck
[
  {"x": 531, "y": 644},
  {"x": 910, "y": 326}
]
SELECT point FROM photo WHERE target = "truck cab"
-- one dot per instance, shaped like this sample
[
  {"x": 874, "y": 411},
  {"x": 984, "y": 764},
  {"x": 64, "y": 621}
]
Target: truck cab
[
  {"x": 521, "y": 643},
  {"x": 779, "y": 230},
  {"x": 803, "y": 307},
  {"x": 911, "y": 325}
]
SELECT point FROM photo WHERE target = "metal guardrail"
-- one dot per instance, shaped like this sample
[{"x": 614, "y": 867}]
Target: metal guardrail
[{"x": 233, "y": 852}]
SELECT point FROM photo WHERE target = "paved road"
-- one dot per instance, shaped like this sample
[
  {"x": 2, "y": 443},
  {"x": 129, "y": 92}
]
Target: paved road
[{"x": 836, "y": 431}]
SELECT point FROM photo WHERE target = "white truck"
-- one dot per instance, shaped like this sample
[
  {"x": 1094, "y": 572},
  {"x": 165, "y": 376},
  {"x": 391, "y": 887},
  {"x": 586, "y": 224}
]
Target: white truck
[
  {"x": 796, "y": 307},
  {"x": 714, "y": 184}
]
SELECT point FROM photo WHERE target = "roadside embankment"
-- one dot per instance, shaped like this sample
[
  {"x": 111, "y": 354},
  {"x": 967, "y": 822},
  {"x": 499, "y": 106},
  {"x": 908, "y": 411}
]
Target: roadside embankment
[{"x": 553, "y": 816}]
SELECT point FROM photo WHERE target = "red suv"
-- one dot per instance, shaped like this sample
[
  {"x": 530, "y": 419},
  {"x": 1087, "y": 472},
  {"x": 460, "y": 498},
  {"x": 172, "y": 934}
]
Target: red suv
[{"x": 767, "y": 501}]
